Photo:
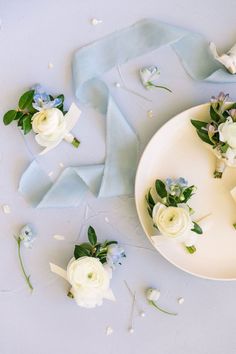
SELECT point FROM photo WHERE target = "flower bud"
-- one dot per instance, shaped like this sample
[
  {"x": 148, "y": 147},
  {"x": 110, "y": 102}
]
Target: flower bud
[{"x": 152, "y": 294}]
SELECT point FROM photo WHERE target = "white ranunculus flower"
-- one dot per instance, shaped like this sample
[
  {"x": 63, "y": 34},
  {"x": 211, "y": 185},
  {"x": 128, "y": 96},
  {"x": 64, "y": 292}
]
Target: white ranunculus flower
[
  {"x": 173, "y": 222},
  {"x": 51, "y": 126},
  {"x": 90, "y": 281},
  {"x": 227, "y": 132}
]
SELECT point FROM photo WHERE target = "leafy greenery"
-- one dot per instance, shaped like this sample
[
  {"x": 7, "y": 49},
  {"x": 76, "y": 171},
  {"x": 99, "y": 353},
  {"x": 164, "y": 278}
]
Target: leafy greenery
[
  {"x": 93, "y": 248},
  {"x": 24, "y": 112}
]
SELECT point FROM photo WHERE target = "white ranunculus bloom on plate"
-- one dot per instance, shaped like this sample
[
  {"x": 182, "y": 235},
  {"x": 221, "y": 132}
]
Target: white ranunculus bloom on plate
[
  {"x": 89, "y": 280},
  {"x": 227, "y": 132},
  {"x": 51, "y": 126},
  {"x": 173, "y": 222}
]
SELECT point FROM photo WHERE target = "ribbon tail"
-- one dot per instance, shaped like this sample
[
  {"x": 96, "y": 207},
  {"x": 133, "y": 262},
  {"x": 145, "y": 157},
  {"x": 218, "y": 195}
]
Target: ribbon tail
[{"x": 58, "y": 270}]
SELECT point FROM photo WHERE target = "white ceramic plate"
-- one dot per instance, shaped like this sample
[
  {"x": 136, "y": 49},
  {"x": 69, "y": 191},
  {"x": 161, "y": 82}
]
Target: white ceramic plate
[{"x": 176, "y": 151}]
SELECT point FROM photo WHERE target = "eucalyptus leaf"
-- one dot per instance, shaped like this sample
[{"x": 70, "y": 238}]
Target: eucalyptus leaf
[
  {"x": 9, "y": 117},
  {"x": 25, "y": 101},
  {"x": 92, "y": 236}
]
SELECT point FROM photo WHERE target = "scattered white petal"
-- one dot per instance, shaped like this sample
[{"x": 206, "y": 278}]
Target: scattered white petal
[
  {"x": 61, "y": 164},
  {"x": 6, "y": 209},
  {"x": 50, "y": 173},
  {"x": 180, "y": 300},
  {"x": 117, "y": 84},
  {"x": 59, "y": 237},
  {"x": 150, "y": 113},
  {"x": 106, "y": 219},
  {"x": 131, "y": 330},
  {"x": 142, "y": 314},
  {"x": 109, "y": 331},
  {"x": 50, "y": 65},
  {"x": 95, "y": 21}
]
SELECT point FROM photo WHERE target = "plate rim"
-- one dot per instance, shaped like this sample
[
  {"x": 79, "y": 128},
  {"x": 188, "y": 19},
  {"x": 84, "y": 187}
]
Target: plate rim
[{"x": 137, "y": 207}]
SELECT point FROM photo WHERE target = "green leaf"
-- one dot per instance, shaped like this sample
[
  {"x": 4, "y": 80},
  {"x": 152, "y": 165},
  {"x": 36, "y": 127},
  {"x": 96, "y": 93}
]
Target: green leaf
[
  {"x": 161, "y": 188},
  {"x": 92, "y": 236},
  {"x": 81, "y": 251},
  {"x": 25, "y": 101},
  {"x": 19, "y": 115},
  {"x": 224, "y": 148},
  {"x": 198, "y": 124},
  {"x": 197, "y": 228},
  {"x": 87, "y": 246},
  {"x": 27, "y": 125},
  {"x": 188, "y": 192},
  {"x": 215, "y": 116},
  {"x": 191, "y": 249},
  {"x": 107, "y": 243},
  {"x": 204, "y": 137},
  {"x": 9, "y": 117},
  {"x": 150, "y": 199},
  {"x": 149, "y": 212},
  {"x": 62, "y": 97}
]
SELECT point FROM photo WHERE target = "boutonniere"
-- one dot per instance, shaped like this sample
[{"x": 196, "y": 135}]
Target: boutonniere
[
  {"x": 45, "y": 115},
  {"x": 90, "y": 270},
  {"x": 171, "y": 214},
  {"x": 220, "y": 132}
]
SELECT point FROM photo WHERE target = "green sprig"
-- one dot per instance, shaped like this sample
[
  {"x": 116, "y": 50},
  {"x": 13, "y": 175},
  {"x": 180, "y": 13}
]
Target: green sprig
[{"x": 93, "y": 248}]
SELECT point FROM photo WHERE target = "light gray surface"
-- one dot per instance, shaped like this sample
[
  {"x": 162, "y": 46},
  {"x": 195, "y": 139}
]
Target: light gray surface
[{"x": 33, "y": 34}]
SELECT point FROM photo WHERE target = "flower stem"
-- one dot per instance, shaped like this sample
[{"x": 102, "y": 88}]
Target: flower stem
[
  {"x": 220, "y": 167},
  {"x": 27, "y": 277},
  {"x": 75, "y": 143},
  {"x": 151, "y": 302},
  {"x": 150, "y": 84}
]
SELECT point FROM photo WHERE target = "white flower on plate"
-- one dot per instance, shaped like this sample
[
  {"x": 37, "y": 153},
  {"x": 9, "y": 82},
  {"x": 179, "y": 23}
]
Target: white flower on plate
[
  {"x": 173, "y": 222},
  {"x": 89, "y": 279},
  {"x": 51, "y": 126},
  {"x": 228, "y": 59},
  {"x": 227, "y": 132}
]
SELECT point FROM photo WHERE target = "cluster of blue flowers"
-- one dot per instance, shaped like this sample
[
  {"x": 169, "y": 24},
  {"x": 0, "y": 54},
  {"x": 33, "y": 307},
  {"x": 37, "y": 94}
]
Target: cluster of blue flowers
[
  {"x": 175, "y": 186},
  {"x": 43, "y": 101}
]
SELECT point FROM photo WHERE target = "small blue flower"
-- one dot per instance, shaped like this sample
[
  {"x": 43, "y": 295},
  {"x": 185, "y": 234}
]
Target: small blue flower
[
  {"x": 115, "y": 253},
  {"x": 27, "y": 235},
  {"x": 182, "y": 182},
  {"x": 175, "y": 186},
  {"x": 43, "y": 101}
]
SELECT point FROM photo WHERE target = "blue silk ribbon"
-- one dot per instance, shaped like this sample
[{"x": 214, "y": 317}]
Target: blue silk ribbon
[{"x": 116, "y": 176}]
